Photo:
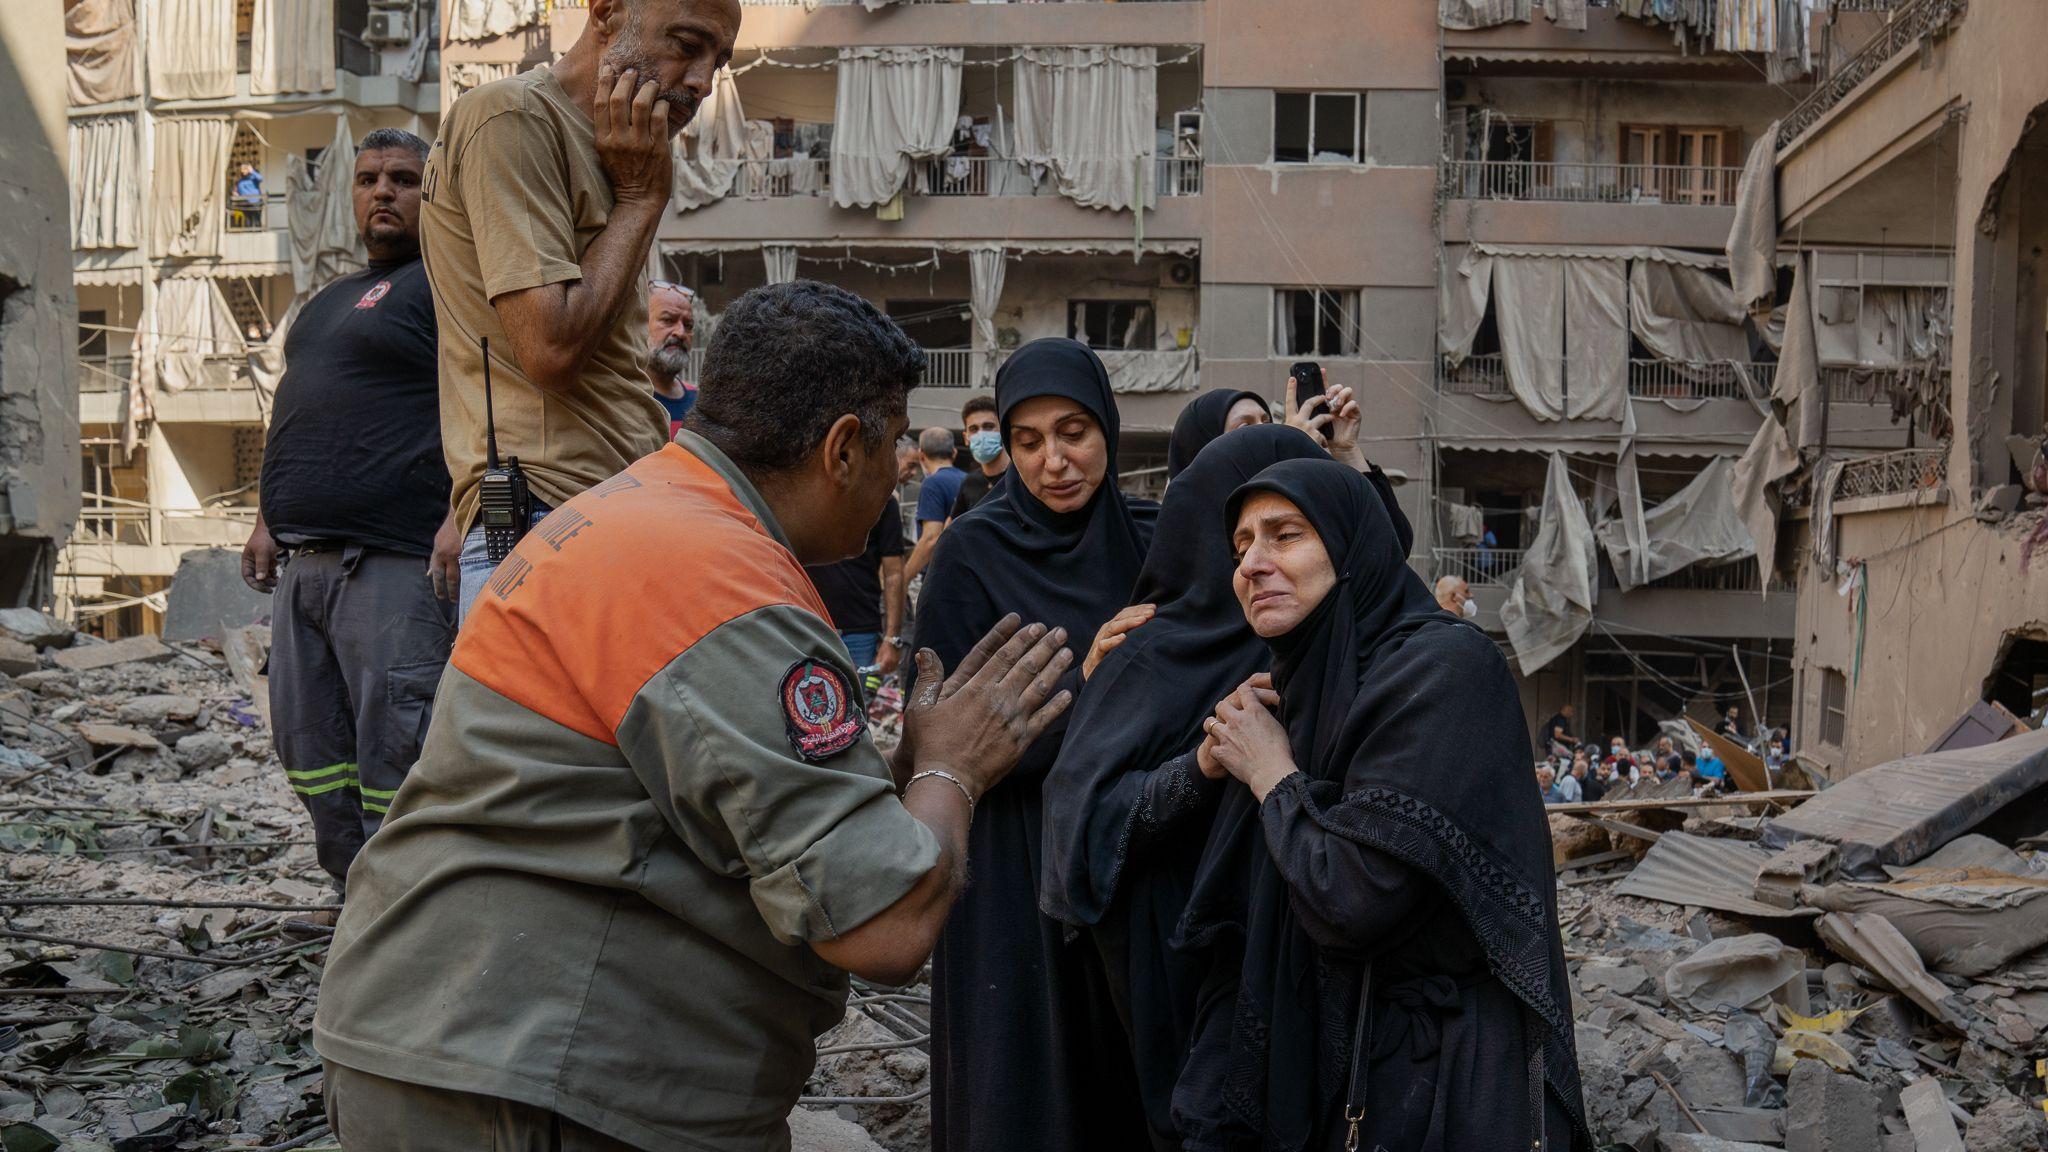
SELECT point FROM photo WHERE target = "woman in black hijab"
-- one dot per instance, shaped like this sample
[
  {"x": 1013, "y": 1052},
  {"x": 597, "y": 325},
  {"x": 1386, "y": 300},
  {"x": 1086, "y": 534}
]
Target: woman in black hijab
[
  {"x": 1378, "y": 901},
  {"x": 1026, "y": 1052},
  {"x": 1126, "y": 810},
  {"x": 1208, "y": 416}
]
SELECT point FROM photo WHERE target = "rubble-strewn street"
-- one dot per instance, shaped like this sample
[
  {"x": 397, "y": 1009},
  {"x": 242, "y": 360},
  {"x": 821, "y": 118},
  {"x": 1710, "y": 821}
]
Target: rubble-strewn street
[{"x": 148, "y": 996}]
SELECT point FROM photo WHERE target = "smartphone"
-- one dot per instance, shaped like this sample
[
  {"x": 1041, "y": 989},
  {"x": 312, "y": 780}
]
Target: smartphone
[{"x": 1308, "y": 380}]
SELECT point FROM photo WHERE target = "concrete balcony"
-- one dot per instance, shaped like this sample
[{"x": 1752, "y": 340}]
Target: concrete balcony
[
  {"x": 225, "y": 394},
  {"x": 1721, "y": 601},
  {"x": 1517, "y": 202},
  {"x": 122, "y": 538}
]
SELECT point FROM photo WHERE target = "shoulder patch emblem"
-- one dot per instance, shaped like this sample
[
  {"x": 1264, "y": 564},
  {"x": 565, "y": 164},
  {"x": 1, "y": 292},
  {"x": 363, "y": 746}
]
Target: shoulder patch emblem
[{"x": 820, "y": 710}]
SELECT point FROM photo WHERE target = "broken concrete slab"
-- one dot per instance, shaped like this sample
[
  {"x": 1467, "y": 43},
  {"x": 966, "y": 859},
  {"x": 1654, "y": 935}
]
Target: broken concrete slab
[
  {"x": 823, "y": 1132},
  {"x": 1899, "y": 812},
  {"x": 158, "y": 708},
  {"x": 1704, "y": 871},
  {"x": 1734, "y": 972},
  {"x": 1827, "y": 1111},
  {"x": 208, "y": 598},
  {"x": 1871, "y": 941},
  {"x": 1701, "y": 1142},
  {"x": 35, "y": 628},
  {"x": 2006, "y": 1124},
  {"x": 1969, "y": 851},
  {"x": 116, "y": 736},
  {"x": 17, "y": 658},
  {"x": 1965, "y": 921},
  {"x": 134, "y": 649}
]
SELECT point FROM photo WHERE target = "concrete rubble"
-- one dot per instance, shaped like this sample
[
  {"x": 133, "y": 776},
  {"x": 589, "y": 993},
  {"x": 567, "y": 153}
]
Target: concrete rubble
[
  {"x": 149, "y": 997},
  {"x": 1869, "y": 976}
]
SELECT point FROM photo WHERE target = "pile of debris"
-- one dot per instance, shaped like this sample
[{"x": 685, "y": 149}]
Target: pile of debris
[
  {"x": 149, "y": 998},
  {"x": 1862, "y": 966}
]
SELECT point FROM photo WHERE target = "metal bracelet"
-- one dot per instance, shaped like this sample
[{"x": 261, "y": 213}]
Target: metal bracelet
[{"x": 944, "y": 775}]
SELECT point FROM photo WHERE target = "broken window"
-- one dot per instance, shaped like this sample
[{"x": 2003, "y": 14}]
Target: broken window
[
  {"x": 1111, "y": 323},
  {"x": 1315, "y": 321},
  {"x": 1318, "y": 127},
  {"x": 934, "y": 323},
  {"x": 2020, "y": 683},
  {"x": 1834, "y": 707}
]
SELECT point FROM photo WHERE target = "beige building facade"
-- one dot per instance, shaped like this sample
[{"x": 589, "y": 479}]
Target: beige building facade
[{"x": 38, "y": 373}]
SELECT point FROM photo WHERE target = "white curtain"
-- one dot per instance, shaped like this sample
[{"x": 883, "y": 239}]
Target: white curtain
[
  {"x": 483, "y": 19},
  {"x": 193, "y": 322},
  {"x": 192, "y": 49},
  {"x": 781, "y": 261},
  {"x": 894, "y": 106},
  {"x": 1699, "y": 524},
  {"x": 709, "y": 149},
  {"x": 1461, "y": 307},
  {"x": 1468, "y": 522},
  {"x": 291, "y": 46},
  {"x": 1753, "y": 238},
  {"x": 1568, "y": 14},
  {"x": 1595, "y": 339},
  {"x": 266, "y": 360},
  {"x": 1167, "y": 370},
  {"x": 1769, "y": 458},
  {"x": 1685, "y": 314},
  {"x": 1550, "y": 603},
  {"x": 99, "y": 47},
  {"x": 1797, "y": 389},
  {"x": 1529, "y": 311},
  {"x": 105, "y": 212},
  {"x": 1482, "y": 13},
  {"x": 321, "y": 212},
  {"x": 1090, "y": 116},
  {"x": 190, "y": 167},
  {"x": 985, "y": 270}
]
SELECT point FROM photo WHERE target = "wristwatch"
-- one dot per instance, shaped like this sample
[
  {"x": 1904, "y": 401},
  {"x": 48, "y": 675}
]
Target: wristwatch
[{"x": 896, "y": 642}]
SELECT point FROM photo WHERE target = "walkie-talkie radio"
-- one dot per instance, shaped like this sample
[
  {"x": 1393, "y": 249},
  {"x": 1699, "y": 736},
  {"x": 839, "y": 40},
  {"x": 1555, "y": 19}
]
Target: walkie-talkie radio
[{"x": 504, "y": 503}]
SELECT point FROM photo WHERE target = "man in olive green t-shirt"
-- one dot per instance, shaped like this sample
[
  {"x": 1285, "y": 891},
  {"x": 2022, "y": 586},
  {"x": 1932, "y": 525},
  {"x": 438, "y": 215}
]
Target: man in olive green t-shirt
[{"x": 540, "y": 204}]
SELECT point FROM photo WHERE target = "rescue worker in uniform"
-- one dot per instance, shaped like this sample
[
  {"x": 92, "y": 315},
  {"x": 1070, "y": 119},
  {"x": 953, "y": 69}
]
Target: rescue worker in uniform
[{"x": 617, "y": 899}]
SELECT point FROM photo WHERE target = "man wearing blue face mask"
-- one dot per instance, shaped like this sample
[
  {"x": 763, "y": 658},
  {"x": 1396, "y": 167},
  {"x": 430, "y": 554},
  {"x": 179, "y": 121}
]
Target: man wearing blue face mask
[{"x": 985, "y": 443}]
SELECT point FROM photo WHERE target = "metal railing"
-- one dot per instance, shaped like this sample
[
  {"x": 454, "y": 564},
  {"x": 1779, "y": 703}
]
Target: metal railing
[
  {"x": 112, "y": 520},
  {"x": 1590, "y": 183},
  {"x": 353, "y": 54},
  {"x": 787, "y": 176},
  {"x": 1726, "y": 380},
  {"x": 1487, "y": 375},
  {"x": 954, "y": 175},
  {"x": 221, "y": 371},
  {"x": 1734, "y": 576},
  {"x": 955, "y": 367},
  {"x": 269, "y": 216},
  {"x": 1908, "y": 26},
  {"x": 1180, "y": 176},
  {"x": 1891, "y": 473},
  {"x": 1479, "y": 567}
]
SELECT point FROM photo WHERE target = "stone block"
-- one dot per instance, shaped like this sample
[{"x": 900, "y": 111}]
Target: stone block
[
  {"x": 34, "y": 628},
  {"x": 208, "y": 597},
  {"x": 92, "y": 656},
  {"x": 1828, "y": 1111},
  {"x": 17, "y": 658}
]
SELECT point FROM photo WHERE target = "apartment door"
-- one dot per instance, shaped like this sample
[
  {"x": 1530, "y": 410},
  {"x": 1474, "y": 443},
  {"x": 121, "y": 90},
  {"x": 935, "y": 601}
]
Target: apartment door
[
  {"x": 1702, "y": 167},
  {"x": 1642, "y": 160}
]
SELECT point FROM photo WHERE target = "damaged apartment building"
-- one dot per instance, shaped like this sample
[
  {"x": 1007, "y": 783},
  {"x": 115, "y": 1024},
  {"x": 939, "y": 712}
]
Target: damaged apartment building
[
  {"x": 186, "y": 284},
  {"x": 1506, "y": 223}
]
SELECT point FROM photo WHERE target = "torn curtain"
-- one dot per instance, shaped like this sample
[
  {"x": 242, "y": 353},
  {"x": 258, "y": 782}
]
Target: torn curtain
[
  {"x": 709, "y": 150},
  {"x": 1462, "y": 14},
  {"x": 1685, "y": 314},
  {"x": 105, "y": 212},
  {"x": 1753, "y": 238},
  {"x": 99, "y": 47},
  {"x": 1699, "y": 524},
  {"x": 1564, "y": 335},
  {"x": 894, "y": 105},
  {"x": 192, "y": 49},
  {"x": 1550, "y": 602},
  {"x": 483, "y": 19},
  {"x": 187, "y": 213},
  {"x": 193, "y": 322},
  {"x": 321, "y": 211},
  {"x": 1088, "y": 115},
  {"x": 291, "y": 46},
  {"x": 986, "y": 269},
  {"x": 781, "y": 263},
  {"x": 1769, "y": 458}
]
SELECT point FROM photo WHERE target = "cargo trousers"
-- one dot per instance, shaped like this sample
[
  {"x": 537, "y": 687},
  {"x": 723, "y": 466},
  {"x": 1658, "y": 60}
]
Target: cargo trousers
[
  {"x": 372, "y": 1114},
  {"x": 358, "y": 643}
]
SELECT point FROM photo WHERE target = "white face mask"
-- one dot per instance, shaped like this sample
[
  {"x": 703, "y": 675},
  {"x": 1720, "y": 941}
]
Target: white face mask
[{"x": 1469, "y": 610}]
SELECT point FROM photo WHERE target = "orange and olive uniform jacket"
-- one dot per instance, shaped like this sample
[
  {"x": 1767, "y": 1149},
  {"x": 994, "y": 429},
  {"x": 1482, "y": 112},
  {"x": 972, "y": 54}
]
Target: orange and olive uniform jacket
[{"x": 647, "y": 784}]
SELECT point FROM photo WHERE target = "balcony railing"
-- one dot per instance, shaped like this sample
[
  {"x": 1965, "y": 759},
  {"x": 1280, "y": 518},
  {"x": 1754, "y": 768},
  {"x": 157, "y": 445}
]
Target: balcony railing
[
  {"x": 1892, "y": 473},
  {"x": 1670, "y": 380},
  {"x": 1479, "y": 567},
  {"x": 1590, "y": 183},
  {"x": 955, "y": 367},
  {"x": 220, "y": 372},
  {"x": 112, "y": 520},
  {"x": 1734, "y": 576},
  {"x": 784, "y": 176},
  {"x": 1908, "y": 25},
  {"x": 796, "y": 176},
  {"x": 271, "y": 215}
]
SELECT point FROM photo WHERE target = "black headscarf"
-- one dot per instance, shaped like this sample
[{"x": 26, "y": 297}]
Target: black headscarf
[
  {"x": 1147, "y": 700},
  {"x": 1199, "y": 423},
  {"x": 1410, "y": 730},
  {"x": 1011, "y": 553}
]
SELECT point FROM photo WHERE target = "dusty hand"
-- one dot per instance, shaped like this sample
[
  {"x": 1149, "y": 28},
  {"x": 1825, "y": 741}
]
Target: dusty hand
[
  {"x": 444, "y": 565},
  {"x": 259, "y": 560},
  {"x": 1246, "y": 739},
  {"x": 633, "y": 137},
  {"x": 1111, "y": 635},
  {"x": 977, "y": 722}
]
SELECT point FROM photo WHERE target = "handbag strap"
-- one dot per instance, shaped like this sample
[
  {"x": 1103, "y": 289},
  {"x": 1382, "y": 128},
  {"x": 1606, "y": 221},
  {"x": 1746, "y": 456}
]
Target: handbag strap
[{"x": 1361, "y": 1057}]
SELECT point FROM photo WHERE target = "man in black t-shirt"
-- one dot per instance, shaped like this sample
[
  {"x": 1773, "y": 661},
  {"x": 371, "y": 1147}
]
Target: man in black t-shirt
[
  {"x": 985, "y": 448},
  {"x": 865, "y": 595},
  {"x": 353, "y": 538}
]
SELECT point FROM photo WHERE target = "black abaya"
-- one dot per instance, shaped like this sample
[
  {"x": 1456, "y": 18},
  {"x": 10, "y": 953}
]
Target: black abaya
[
  {"x": 1026, "y": 1048},
  {"x": 1406, "y": 856},
  {"x": 1126, "y": 809},
  {"x": 1200, "y": 422}
]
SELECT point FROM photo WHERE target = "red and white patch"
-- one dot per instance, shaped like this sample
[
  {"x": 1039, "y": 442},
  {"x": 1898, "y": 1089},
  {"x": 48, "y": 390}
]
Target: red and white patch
[
  {"x": 820, "y": 709},
  {"x": 377, "y": 292}
]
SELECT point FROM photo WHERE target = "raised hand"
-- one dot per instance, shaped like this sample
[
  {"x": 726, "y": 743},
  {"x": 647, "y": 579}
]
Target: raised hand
[
  {"x": 1110, "y": 636},
  {"x": 633, "y": 137}
]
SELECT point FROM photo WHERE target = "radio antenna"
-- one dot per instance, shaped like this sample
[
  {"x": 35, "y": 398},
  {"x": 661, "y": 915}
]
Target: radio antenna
[{"x": 490, "y": 421}]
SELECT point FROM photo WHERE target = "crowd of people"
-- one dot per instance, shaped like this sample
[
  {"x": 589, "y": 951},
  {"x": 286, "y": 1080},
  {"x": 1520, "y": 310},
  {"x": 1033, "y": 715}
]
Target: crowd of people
[
  {"x": 1206, "y": 812},
  {"x": 1570, "y": 770}
]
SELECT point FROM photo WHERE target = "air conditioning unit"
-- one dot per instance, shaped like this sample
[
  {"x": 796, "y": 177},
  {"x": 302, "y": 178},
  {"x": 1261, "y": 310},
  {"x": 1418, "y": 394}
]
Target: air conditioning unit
[
  {"x": 1178, "y": 274},
  {"x": 392, "y": 27}
]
